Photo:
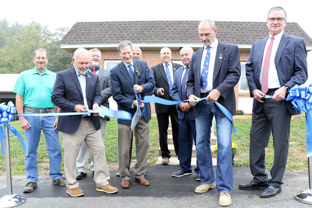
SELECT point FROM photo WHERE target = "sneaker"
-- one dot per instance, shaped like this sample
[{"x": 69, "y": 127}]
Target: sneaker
[
  {"x": 225, "y": 199},
  {"x": 180, "y": 173},
  {"x": 30, "y": 187},
  {"x": 59, "y": 182},
  {"x": 75, "y": 192},
  {"x": 107, "y": 189},
  {"x": 197, "y": 178},
  {"x": 205, "y": 187}
]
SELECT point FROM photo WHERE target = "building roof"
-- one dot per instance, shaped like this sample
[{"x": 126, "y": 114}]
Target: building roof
[{"x": 169, "y": 32}]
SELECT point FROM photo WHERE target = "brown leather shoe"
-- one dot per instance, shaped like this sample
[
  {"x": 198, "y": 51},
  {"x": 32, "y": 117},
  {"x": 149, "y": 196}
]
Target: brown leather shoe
[
  {"x": 75, "y": 192},
  {"x": 142, "y": 181},
  {"x": 125, "y": 184}
]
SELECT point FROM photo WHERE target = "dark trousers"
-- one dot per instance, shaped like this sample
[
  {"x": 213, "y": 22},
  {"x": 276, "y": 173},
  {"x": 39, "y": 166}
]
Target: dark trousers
[
  {"x": 187, "y": 134},
  {"x": 163, "y": 123},
  {"x": 273, "y": 118}
]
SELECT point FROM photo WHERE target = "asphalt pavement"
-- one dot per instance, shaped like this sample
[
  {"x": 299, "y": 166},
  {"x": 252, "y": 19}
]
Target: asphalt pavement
[{"x": 164, "y": 191}]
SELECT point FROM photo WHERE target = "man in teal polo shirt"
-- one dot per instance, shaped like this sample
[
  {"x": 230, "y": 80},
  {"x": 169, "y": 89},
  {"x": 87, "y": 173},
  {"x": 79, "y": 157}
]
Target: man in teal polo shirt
[{"x": 33, "y": 90}]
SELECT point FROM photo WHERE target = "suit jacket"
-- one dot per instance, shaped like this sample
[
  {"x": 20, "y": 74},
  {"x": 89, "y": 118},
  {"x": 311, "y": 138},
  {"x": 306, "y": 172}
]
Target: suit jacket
[
  {"x": 177, "y": 93},
  {"x": 162, "y": 82},
  {"x": 67, "y": 93},
  {"x": 122, "y": 87},
  {"x": 104, "y": 80},
  {"x": 226, "y": 74},
  {"x": 290, "y": 62}
]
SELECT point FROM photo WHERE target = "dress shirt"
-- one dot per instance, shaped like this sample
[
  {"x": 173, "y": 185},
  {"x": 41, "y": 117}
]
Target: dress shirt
[{"x": 273, "y": 81}]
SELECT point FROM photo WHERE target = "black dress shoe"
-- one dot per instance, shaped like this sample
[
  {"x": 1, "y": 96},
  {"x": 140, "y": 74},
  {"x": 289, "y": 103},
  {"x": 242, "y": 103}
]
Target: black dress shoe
[
  {"x": 253, "y": 185},
  {"x": 81, "y": 175},
  {"x": 270, "y": 191}
]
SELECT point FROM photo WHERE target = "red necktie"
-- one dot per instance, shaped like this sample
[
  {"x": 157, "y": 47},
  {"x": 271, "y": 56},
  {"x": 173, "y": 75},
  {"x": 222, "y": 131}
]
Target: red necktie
[
  {"x": 94, "y": 70},
  {"x": 266, "y": 66}
]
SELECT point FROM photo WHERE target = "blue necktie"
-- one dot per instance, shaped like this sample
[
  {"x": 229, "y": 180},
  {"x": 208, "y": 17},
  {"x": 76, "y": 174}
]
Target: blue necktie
[
  {"x": 169, "y": 79},
  {"x": 184, "y": 83},
  {"x": 204, "y": 74},
  {"x": 131, "y": 72}
]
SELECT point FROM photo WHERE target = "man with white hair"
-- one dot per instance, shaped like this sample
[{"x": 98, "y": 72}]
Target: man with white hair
[
  {"x": 78, "y": 90},
  {"x": 106, "y": 92}
]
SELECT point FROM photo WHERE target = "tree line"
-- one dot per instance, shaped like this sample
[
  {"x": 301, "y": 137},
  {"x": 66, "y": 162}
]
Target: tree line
[{"x": 18, "y": 42}]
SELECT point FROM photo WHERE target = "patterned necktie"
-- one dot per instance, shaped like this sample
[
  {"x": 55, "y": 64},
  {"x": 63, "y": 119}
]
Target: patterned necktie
[
  {"x": 204, "y": 74},
  {"x": 266, "y": 66},
  {"x": 131, "y": 72},
  {"x": 94, "y": 70},
  {"x": 184, "y": 83},
  {"x": 169, "y": 79}
]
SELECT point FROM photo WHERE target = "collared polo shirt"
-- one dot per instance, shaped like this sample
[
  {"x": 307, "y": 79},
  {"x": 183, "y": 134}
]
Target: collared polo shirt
[{"x": 36, "y": 88}]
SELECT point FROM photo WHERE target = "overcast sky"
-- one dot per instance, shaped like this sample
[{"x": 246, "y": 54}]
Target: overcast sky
[{"x": 64, "y": 13}]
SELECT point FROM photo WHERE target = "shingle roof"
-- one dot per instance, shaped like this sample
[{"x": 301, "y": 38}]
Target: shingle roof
[{"x": 170, "y": 32}]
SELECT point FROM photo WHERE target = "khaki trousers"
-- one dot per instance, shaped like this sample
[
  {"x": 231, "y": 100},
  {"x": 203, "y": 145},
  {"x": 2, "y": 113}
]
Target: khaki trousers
[
  {"x": 125, "y": 135},
  {"x": 72, "y": 144}
]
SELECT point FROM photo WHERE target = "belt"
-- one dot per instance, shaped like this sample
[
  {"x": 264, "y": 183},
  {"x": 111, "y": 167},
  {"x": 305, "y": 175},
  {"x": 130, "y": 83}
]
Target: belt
[
  {"x": 204, "y": 94},
  {"x": 271, "y": 91},
  {"x": 86, "y": 117},
  {"x": 39, "y": 110}
]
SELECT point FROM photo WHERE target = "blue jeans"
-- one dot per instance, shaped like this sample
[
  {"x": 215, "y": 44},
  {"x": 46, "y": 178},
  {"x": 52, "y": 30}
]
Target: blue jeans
[
  {"x": 224, "y": 173},
  {"x": 32, "y": 137}
]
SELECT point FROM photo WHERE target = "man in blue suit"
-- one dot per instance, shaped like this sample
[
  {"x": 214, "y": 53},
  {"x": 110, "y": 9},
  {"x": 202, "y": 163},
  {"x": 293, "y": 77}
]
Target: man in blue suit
[
  {"x": 127, "y": 74},
  {"x": 187, "y": 130},
  {"x": 214, "y": 71},
  {"x": 77, "y": 90},
  {"x": 276, "y": 64}
]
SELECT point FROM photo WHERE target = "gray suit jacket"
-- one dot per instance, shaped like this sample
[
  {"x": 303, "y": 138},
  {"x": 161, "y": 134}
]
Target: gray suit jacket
[{"x": 106, "y": 92}]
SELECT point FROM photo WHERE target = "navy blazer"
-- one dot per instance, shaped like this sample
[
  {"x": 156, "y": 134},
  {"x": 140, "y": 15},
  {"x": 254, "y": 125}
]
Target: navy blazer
[
  {"x": 122, "y": 87},
  {"x": 161, "y": 81},
  {"x": 177, "y": 93},
  {"x": 67, "y": 93},
  {"x": 226, "y": 74},
  {"x": 290, "y": 62}
]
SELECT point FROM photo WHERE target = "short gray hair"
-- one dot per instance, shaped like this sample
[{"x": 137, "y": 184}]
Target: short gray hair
[
  {"x": 40, "y": 50},
  {"x": 164, "y": 49},
  {"x": 95, "y": 50},
  {"x": 79, "y": 51},
  {"x": 210, "y": 22},
  {"x": 123, "y": 44},
  {"x": 277, "y": 8}
]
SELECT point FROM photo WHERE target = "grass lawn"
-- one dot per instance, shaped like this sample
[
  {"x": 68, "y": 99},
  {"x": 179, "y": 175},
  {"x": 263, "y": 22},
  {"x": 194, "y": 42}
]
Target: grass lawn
[{"x": 297, "y": 160}]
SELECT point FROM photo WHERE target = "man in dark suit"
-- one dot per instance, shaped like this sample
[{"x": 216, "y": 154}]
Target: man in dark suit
[
  {"x": 127, "y": 74},
  {"x": 106, "y": 92},
  {"x": 214, "y": 71},
  {"x": 163, "y": 75},
  {"x": 77, "y": 90},
  {"x": 276, "y": 63},
  {"x": 185, "y": 114}
]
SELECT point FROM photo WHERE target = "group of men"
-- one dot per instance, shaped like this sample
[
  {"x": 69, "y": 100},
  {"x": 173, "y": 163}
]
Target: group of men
[{"x": 275, "y": 65}]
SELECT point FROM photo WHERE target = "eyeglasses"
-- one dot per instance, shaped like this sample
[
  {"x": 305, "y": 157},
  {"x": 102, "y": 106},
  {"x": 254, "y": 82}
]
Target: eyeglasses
[
  {"x": 126, "y": 53},
  {"x": 279, "y": 19}
]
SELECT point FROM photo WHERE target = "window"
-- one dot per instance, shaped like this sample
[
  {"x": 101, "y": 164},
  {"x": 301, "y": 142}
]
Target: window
[
  {"x": 110, "y": 64},
  {"x": 243, "y": 86}
]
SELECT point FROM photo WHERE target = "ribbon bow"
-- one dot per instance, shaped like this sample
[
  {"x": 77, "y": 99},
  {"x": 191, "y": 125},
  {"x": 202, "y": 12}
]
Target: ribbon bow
[
  {"x": 6, "y": 115},
  {"x": 301, "y": 98}
]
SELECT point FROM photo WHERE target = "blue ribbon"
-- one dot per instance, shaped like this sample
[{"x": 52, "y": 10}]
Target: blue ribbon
[
  {"x": 154, "y": 99},
  {"x": 6, "y": 115},
  {"x": 301, "y": 98}
]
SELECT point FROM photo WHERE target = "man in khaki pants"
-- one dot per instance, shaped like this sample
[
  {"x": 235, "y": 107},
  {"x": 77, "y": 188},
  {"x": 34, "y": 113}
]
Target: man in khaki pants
[{"x": 77, "y": 90}]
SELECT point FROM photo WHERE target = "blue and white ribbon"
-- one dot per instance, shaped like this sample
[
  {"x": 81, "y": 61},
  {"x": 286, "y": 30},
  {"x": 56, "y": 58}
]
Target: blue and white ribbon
[
  {"x": 6, "y": 115},
  {"x": 301, "y": 98},
  {"x": 158, "y": 100}
]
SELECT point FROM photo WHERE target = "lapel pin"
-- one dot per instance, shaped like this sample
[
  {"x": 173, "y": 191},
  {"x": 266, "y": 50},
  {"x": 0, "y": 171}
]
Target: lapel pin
[
  {"x": 137, "y": 70},
  {"x": 220, "y": 56}
]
